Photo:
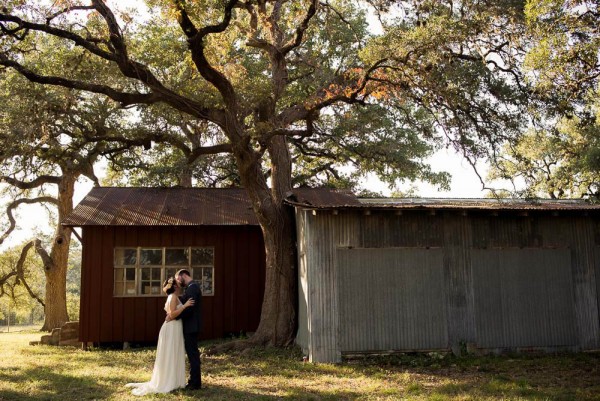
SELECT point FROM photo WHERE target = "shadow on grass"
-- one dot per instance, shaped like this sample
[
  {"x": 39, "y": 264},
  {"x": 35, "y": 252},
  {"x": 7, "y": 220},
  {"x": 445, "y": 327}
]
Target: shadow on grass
[
  {"x": 556, "y": 377},
  {"x": 219, "y": 392},
  {"x": 44, "y": 384}
]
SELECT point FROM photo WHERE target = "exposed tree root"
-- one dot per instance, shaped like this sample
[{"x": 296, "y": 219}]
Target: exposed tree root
[{"x": 240, "y": 345}]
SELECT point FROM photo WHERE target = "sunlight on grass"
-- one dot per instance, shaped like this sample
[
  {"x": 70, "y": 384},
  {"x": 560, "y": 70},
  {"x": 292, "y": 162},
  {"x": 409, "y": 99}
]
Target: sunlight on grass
[{"x": 51, "y": 373}]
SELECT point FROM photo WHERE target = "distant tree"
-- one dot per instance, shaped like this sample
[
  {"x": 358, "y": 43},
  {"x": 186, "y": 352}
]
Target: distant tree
[
  {"x": 562, "y": 162},
  {"x": 21, "y": 281},
  {"x": 559, "y": 157}
]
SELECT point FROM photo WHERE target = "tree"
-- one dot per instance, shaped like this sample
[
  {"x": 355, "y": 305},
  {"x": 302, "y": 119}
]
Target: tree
[
  {"x": 296, "y": 86},
  {"x": 21, "y": 281},
  {"x": 559, "y": 157},
  {"x": 44, "y": 137},
  {"x": 560, "y": 162}
]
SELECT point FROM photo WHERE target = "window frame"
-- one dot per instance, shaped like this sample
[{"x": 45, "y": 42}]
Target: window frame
[{"x": 138, "y": 268}]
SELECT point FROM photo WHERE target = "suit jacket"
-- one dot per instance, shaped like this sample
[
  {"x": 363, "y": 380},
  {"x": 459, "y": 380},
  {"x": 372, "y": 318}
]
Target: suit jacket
[{"x": 191, "y": 318}]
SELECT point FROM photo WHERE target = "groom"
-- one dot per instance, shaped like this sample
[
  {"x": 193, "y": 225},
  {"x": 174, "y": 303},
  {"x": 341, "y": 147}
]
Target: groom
[{"x": 192, "y": 322}]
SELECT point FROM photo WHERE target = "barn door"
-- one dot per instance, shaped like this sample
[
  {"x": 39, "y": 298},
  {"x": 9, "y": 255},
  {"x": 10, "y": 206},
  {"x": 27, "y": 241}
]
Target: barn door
[
  {"x": 391, "y": 299},
  {"x": 523, "y": 298}
]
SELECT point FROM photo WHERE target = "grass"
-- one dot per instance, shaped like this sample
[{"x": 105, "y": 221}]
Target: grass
[{"x": 31, "y": 373}]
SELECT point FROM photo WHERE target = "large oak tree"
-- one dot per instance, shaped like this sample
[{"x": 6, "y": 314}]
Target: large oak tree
[{"x": 292, "y": 88}]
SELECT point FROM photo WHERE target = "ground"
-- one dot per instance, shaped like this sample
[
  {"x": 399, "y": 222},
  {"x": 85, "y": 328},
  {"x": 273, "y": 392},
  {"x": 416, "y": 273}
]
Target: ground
[{"x": 30, "y": 373}]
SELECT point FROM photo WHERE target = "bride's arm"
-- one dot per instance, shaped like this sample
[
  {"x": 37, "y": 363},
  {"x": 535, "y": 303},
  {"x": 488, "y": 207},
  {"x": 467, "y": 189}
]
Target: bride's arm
[{"x": 174, "y": 311}]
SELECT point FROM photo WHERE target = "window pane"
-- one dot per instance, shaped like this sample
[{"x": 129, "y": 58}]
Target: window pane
[
  {"x": 170, "y": 272},
  {"x": 119, "y": 289},
  {"x": 125, "y": 256},
  {"x": 176, "y": 257},
  {"x": 145, "y": 274},
  {"x": 207, "y": 273},
  {"x": 207, "y": 288},
  {"x": 207, "y": 280},
  {"x": 156, "y": 288},
  {"x": 119, "y": 274},
  {"x": 156, "y": 274},
  {"x": 151, "y": 257},
  {"x": 202, "y": 256},
  {"x": 151, "y": 287},
  {"x": 197, "y": 274},
  {"x": 130, "y": 288},
  {"x": 130, "y": 274}
]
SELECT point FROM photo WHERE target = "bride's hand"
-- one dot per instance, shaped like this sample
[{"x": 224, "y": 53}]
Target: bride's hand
[{"x": 189, "y": 302}]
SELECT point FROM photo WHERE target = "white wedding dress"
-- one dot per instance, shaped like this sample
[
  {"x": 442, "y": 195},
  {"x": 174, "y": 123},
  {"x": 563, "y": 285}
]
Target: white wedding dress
[{"x": 169, "y": 366}]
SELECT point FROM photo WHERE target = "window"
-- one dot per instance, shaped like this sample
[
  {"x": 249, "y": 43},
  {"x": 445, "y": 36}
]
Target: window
[{"x": 141, "y": 271}]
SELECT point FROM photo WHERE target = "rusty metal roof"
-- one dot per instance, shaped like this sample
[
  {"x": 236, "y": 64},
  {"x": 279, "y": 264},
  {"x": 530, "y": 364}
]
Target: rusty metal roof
[
  {"x": 322, "y": 198},
  {"x": 126, "y": 206},
  {"x": 112, "y": 206},
  {"x": 463, "y": 203}
]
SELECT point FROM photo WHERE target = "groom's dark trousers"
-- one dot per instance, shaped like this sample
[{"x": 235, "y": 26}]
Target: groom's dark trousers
[
  {"x": 191, "y": 319},
  {"x": 191, "y": 349}
]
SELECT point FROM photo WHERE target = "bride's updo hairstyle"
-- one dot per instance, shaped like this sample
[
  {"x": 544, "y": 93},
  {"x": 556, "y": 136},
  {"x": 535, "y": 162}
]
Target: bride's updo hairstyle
[{"x": 169, "y": 286}]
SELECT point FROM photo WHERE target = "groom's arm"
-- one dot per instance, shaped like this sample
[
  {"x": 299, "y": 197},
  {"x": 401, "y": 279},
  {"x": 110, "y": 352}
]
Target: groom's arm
[{"x": 192, "y": 291}]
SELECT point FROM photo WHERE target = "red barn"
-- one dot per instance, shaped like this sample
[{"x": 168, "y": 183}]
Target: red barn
[{"x": 135, "y": 237}]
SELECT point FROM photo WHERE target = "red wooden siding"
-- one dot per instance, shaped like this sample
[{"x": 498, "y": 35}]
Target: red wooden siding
[{"x": 238, "y": 282}]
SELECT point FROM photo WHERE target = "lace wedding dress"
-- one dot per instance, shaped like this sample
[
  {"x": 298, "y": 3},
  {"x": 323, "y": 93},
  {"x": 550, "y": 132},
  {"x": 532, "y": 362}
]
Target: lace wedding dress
[{"x": 169, "y": 366}]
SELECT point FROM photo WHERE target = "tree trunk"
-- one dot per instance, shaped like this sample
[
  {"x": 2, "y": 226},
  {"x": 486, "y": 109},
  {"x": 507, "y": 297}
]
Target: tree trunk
[
  {"x": 56, "y": 264},
  {"x": 278, "y": 315}
]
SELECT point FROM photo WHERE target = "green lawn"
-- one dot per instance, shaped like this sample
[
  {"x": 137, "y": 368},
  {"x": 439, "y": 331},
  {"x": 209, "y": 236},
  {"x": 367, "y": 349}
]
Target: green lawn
[{"x": 30, "y": 373}]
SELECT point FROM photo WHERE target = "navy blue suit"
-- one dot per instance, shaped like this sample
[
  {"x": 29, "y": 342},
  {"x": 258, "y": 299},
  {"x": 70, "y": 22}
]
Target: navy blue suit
[{"x": 191, "y": 319}]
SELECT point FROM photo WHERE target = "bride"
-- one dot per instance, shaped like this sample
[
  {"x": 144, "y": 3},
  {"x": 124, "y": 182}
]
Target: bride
[{"x": 169, "y": 366}]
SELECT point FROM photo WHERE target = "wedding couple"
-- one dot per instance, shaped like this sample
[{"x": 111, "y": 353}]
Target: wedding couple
[{"x": 178, "y": 332}]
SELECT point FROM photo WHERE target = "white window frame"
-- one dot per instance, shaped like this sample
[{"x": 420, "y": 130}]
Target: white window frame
[{"x": 138, "y": 269}]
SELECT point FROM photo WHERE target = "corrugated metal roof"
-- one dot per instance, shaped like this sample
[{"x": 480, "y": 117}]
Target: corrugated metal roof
[
  {"x": 451, "y": 203},
  {"x": 322, "y": 197},
  {"x": 489, "y": 203},
  {"x": 110, "y": 206}
]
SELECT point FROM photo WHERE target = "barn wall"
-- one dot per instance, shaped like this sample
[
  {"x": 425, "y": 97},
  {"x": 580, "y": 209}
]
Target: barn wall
[
  {"x": 563, "y": 251},
  {"x": 239, "y": 282},
  {"x": 302, "y": 336},
  {"x": 389, "y": 285}
]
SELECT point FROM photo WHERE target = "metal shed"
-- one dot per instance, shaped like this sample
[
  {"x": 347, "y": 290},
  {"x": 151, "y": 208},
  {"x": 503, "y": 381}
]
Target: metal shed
[{"x": 379, "y": 275}]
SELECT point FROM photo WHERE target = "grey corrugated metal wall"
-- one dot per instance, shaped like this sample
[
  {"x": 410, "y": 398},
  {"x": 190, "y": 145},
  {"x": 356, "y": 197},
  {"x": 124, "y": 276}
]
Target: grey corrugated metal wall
[
  {"x": 302, "y": 336},
  {"x": 467, "y": 244},
  {"x": 524, "y": 298},
  {"x": 391, "y": 299}
]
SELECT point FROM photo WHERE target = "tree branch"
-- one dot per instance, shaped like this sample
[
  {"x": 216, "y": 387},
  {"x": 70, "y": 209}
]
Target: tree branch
[
  {"x": 15, "y": 204},
  {"x": 312, "y": 10},
  {"x": 61, "y": 33},
  {"x": 125, "y": 98},
  {"x": 43, "y": 254},
  {"x": 118, "y": 55},
  {"x": 39, "y": 181},
  {"x": 21, "y": 274},
  {"x": 66, "y": 10},
  {"x": 210, "y": 150},
  {"x": 196, "y": 43}
]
